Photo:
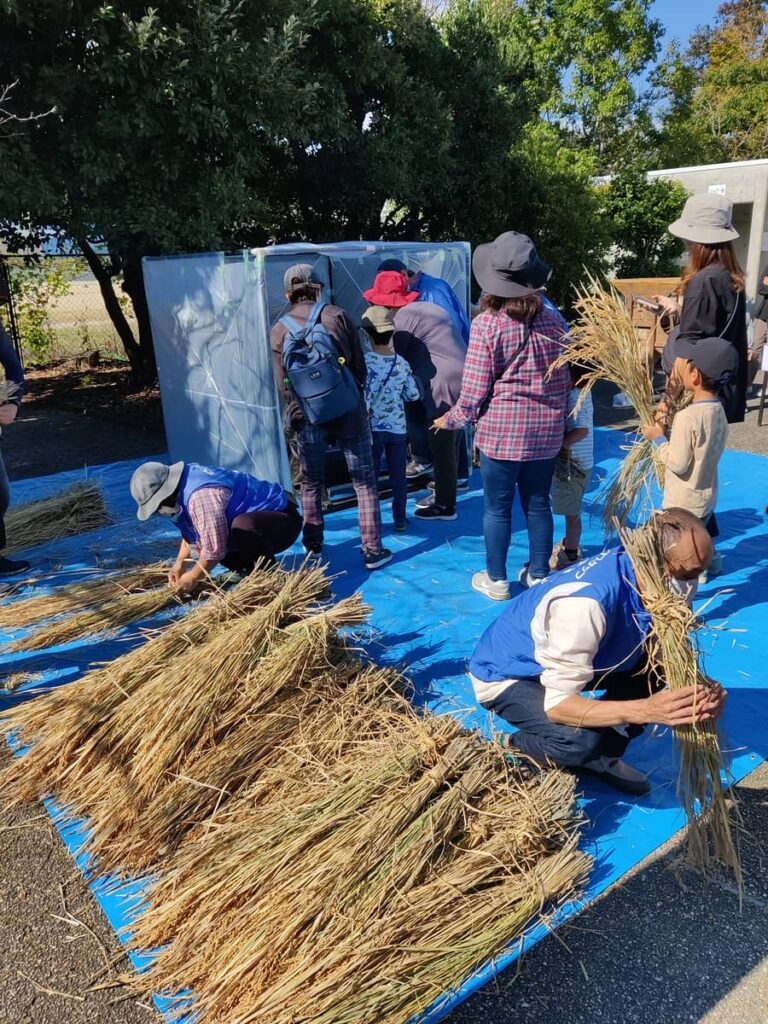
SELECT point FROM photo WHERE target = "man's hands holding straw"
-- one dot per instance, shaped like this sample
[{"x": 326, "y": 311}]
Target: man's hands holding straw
[{"x": 690, "y": 705}]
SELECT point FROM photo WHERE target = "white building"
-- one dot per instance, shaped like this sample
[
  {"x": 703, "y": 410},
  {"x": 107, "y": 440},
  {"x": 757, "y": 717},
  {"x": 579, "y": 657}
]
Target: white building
[{"x": 745, "y": 183}]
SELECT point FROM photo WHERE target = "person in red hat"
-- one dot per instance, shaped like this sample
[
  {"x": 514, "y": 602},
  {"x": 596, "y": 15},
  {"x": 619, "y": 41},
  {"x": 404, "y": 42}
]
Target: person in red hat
[{"x": 427, "y": 337}]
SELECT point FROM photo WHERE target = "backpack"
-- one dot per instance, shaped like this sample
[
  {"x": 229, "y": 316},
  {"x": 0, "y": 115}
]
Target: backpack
[{"x": 315, "y": 371}]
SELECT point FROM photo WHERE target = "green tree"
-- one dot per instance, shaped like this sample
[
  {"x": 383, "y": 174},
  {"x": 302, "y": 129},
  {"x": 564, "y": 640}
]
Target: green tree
[
  {"x": 638, "y": 210},
  {"x": 598, "y": 49},
  {"x": 169, "y": 125},
  {"x": 716, "y": 92}
]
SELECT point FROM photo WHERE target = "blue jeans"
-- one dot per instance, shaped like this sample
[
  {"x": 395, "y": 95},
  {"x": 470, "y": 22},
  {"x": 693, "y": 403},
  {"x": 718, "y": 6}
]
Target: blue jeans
[
  {"x": 522, "y": 704},
  {"x": 532, "y": 480},
  {"x": 395, "y": 447}
]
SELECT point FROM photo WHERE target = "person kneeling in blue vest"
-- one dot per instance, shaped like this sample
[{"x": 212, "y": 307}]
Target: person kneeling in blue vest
[
  {"x": 233, "y": 518},
  {"x": 585, "y": 629}
]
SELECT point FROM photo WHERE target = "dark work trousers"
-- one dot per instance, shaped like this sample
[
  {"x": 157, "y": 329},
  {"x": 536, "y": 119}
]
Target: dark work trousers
[
  {"x": 522, "y": 704},
  {"x": 444, "y": 445},
  {"x": 5, "y": 499},
  {"x": 395, "y": 447},
  {"x": 263, "y": 535},
  {"x": 418, "y": 439}
]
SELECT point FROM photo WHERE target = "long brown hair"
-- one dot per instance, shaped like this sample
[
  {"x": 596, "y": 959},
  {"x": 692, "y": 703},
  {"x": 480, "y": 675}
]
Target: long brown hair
[
  {"x": 525, "y": 307},
  {"x": 701, "y": 255}
]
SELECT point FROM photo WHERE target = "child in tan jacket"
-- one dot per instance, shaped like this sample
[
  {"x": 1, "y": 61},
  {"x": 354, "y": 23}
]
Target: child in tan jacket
[{"x": 699, "y": 431}]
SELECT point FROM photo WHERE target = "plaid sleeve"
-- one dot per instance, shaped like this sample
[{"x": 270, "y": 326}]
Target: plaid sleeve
[
  {"x": 476, "y": 382},
  {"x": 208, "y": 512}
]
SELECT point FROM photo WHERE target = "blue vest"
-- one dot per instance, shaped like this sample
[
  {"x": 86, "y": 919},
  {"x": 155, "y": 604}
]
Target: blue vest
[
  {"x": 507, "y": 648},
  {"x": 248, "y": 494}
]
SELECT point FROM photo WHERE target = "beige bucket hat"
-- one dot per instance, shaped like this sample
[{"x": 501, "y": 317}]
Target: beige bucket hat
[{"x": 706, "y": 218}]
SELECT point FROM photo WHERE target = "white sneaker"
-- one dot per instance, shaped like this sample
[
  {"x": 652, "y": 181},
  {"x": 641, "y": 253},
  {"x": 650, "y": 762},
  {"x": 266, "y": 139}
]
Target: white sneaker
[
  {"x": 619, "y": 775},
  {"x": 497, "y": 590}
]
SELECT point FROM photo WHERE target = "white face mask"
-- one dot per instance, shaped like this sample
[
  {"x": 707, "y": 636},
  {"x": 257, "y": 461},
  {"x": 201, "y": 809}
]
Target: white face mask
[{"x": 169, "y": 512}]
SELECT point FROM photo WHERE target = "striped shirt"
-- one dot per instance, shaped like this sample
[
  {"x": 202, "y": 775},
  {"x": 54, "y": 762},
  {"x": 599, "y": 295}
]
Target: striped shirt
[{"x": 519, "y": 411}]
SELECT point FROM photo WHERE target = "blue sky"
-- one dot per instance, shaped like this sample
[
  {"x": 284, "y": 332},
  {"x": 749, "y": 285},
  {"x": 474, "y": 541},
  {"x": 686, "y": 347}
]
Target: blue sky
[{"x": 681, "y": 17}]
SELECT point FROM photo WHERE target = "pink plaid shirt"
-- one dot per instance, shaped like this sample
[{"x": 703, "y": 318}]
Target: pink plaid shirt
[
  {"x": 208, "y": 512},
  {"x": 520, "y": 414}
]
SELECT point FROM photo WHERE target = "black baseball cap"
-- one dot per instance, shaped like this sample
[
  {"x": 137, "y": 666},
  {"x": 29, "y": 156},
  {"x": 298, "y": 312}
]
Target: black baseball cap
[{"x": 716, "y": 358}]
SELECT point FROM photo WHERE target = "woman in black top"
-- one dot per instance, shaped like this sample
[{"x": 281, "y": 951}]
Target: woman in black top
[{"x": 712, "y": 288}]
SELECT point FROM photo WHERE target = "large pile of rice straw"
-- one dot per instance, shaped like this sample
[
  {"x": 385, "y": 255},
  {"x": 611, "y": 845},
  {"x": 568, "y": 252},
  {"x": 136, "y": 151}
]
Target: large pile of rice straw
[
  {"x": 604, "y": 341},
  {"x": 676, "y": 660},
  {"x": 71, "y": 511},
  {"x": 320, "y": 851}
]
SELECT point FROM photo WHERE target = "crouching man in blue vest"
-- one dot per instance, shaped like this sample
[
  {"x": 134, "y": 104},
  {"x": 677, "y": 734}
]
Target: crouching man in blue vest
[
  {"x": 585, "y": 629},
  {"x": 233, "y": 518}
]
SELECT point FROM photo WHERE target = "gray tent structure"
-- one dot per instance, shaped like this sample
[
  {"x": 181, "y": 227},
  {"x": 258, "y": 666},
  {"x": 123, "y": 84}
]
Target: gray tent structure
[{"x": 211, "y": 315}]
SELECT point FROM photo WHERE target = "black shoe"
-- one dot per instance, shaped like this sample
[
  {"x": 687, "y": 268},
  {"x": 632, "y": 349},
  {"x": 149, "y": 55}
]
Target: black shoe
[
  {"x": 375, "y": 559},
  {"x": 435, "y": 512},
  {"x": 9, "y": 567},
  {"x": 313, "y": 549}
]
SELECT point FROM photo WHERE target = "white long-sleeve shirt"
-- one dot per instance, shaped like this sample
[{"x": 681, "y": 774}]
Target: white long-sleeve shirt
[{"x": 567, "y": 632}]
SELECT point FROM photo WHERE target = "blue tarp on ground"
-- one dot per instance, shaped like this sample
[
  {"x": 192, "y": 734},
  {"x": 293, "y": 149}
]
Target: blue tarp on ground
[{"x": 427, "y": 618}]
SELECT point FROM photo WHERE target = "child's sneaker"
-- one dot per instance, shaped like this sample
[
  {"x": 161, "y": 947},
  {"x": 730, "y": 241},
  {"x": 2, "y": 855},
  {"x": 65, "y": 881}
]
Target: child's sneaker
[
  {"x": 497, "y": 590},
  {"x": 560, "y": 558},
  {"x": 415, "y": 468},
  {"x": 375, "y": 559},
  {"x": 401, "y": 525},
  {"x": 715, "y": 568}
]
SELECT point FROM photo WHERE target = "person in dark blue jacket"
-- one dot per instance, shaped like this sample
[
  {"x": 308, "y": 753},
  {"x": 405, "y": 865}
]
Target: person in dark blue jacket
[
  {"x": 585, "y": 629},
  {"x": 231, "y": 518},
  {"x": 9, "y": 410}
]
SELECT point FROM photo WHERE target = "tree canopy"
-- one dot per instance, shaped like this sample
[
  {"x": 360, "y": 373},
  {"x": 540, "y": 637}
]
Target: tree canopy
[{"x": 208, "y": 124}]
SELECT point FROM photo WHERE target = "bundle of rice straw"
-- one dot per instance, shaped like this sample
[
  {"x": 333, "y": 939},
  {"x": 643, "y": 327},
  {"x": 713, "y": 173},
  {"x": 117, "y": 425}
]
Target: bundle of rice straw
[
  {"x": 69, "y": 732},
  {"x": 604, "y": 341},
  {"x": 321, "y": 852},
  {"x": 73, "y": 598},
  {"x": 107, "y": 618},
  {"x": 71, "y": 511},
  {"x": 675, "y": 660}
]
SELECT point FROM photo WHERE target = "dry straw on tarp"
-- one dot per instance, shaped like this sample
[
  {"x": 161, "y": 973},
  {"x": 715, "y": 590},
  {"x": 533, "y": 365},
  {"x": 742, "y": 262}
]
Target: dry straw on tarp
[
  {"x": 26, "y": 611},
  {"x": 675, "y": 660},
  {"x": 70, "y": 729},
  {"x": 321, "y": 851},
  {"x": 64, "y": 514},
  {"x": 116, "y": 614},
  {"x": 603, "y": 340}
]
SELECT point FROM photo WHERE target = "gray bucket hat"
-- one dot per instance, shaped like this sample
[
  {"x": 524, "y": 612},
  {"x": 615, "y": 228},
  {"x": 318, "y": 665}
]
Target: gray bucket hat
[
  {"x": 299, "y": 274},
  {"x": 509, "y": 266},
  {"x": 706, "y": 218},
  {"x": 152, "y": 483}
]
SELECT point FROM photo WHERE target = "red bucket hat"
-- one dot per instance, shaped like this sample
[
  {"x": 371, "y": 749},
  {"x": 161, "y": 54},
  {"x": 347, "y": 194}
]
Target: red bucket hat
[{"x": 390, "y": 289}]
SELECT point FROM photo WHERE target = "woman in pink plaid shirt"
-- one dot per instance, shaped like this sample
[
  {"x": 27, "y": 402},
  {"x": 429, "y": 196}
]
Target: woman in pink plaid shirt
[{"x": 519, "y": 411}]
